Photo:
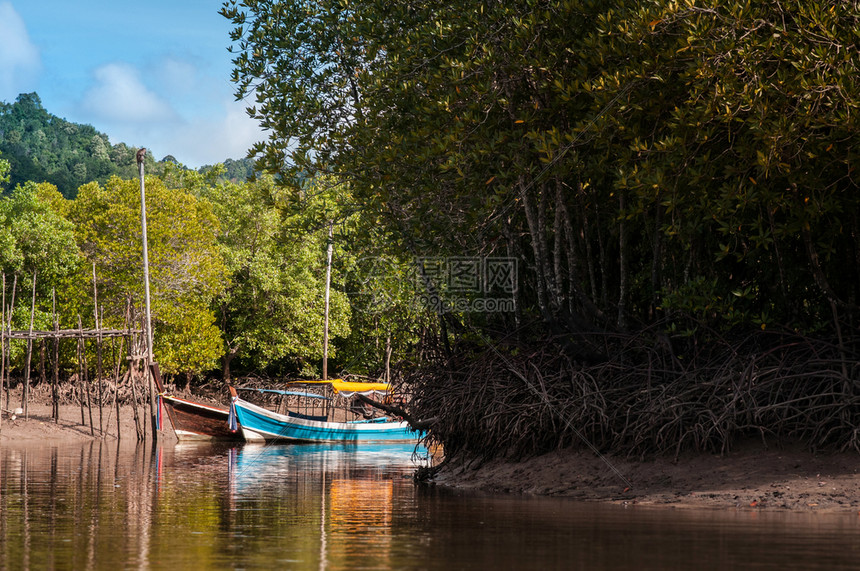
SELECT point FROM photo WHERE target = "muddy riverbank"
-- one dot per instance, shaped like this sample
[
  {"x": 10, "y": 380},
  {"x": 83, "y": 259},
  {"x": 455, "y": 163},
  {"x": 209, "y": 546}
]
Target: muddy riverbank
[{"x": 752, "y": 477}]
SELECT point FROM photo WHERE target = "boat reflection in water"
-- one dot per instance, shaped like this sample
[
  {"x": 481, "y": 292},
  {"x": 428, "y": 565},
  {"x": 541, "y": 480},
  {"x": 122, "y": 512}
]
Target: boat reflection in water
[
  {"x": 340, "y": 496},
  {"x": 256, "y": 466}
]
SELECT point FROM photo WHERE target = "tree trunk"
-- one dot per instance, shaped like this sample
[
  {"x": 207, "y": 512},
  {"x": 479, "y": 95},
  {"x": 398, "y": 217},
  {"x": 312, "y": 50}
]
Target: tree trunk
[
  {"x": 776, "y": 251},
  {"x": 589, "y": 253},
  {"x": 228, "y": 358},
  {"x": 562, "y": 299},
  {"x": 586, "y": 305},
  {"x": 543, "y": 242},
  {"x": 622, "y": 265},
  {"x": 514, "y": 253},
  {"x": 534, "y": 233},
  {"x": 656, "y": 258},
  {"x": 387, "y": 367},
  {"x": 818, "y": 273},
  {"x": 601, "y": 250}
]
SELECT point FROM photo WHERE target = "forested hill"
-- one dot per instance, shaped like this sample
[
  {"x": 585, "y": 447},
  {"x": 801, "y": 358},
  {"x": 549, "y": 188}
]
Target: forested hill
[{"x": 43, "y": 147}]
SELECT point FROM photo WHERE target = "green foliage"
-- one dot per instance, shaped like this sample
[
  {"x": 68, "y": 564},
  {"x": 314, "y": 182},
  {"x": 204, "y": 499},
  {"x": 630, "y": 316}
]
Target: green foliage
[
  {"x": 36, "y": 241},
  {"x": 737, "y": 122},
  {"x": 645, "y": 160},
  {"x": 186, "y": 272},
  {"x": 272, "y": 312},
  {"x": 4, "y": 172}
]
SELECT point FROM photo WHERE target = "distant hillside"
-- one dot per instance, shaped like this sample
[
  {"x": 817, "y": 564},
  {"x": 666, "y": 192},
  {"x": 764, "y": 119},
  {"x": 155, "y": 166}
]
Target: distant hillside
[
  {"x": 235, "y": 170},
  {"x": 43, "y": 147}
]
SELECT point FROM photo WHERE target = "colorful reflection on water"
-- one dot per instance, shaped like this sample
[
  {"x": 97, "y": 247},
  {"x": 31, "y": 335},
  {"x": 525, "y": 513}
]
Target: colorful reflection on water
[{"x": 109, "y": 506}]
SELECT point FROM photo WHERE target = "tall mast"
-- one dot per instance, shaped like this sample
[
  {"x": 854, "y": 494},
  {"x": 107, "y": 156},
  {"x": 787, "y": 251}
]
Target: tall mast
[
  {"x": 327, "y": 289},
  {"x": 141, "y": 155}
]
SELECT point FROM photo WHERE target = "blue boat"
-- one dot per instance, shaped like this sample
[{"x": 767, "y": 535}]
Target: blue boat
[{"x": 259, "y": 424}]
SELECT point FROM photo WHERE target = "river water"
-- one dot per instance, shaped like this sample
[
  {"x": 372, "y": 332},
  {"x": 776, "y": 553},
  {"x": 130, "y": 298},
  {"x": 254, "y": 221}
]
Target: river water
[{"x": 108, "y": 506}]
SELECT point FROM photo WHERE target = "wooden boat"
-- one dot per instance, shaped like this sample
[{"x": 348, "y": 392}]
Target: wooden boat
[
  {"x": 193, "y": 420},
  {"x": 261, "y": 424},
  {"x": 197, "y": 421}
]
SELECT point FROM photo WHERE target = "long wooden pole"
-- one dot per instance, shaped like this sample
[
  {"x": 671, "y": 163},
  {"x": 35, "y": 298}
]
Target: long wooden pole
[
  {"x": 141, "y": 154},
  {"x": 327, "y": 295}
]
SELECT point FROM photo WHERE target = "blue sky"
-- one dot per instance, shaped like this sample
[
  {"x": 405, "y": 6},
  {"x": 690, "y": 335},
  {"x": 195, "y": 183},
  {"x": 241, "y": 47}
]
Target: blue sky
[{"x": 152, "y": 74}]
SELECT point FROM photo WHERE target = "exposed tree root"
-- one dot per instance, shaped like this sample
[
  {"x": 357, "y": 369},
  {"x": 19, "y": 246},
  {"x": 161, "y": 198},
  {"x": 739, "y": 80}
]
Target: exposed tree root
[{"x": 643, "y": 398}]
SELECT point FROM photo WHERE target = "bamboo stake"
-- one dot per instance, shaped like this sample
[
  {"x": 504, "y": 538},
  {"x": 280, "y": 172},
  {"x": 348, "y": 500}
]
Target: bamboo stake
[
  {"x": 144, "y": 425},
  {"x": 55, "y": 397},
  {"x": 26, "y": 391},
  {"x": 142, "y": 378},
  {"x": 140, "y": 434},
  {"x": 80, "y": 379},
  {"x": 55, "y": 388},
  {"x": 99, "y": 373},
  {"x": 9, "y": 325},
  {"x": 98, "y": 349},
  {"x": 43, "y": 377},
  {"x": 116, "y": 377},
  {"x": 131, "y": 381},
  {"x": 86, "y": 377}
]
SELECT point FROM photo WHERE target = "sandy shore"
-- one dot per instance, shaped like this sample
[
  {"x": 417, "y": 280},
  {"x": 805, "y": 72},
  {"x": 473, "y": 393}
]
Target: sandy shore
[
  {"x": 751, "y": 477},
  {"x": 38, "y": 426}
]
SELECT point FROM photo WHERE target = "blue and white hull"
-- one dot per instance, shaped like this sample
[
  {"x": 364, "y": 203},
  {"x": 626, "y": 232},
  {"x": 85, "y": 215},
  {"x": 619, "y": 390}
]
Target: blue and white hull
[{"x": 259, "y": 424}]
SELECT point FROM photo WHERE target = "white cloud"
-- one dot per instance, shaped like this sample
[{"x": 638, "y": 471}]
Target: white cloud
[
  {"x": 20, "y": 62},
  {"x": 172, "y": 109},
  {"x": 119, "y": 95},
  {"x": 227, "y": 134},
  {"x": 177, "y": 76}
]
